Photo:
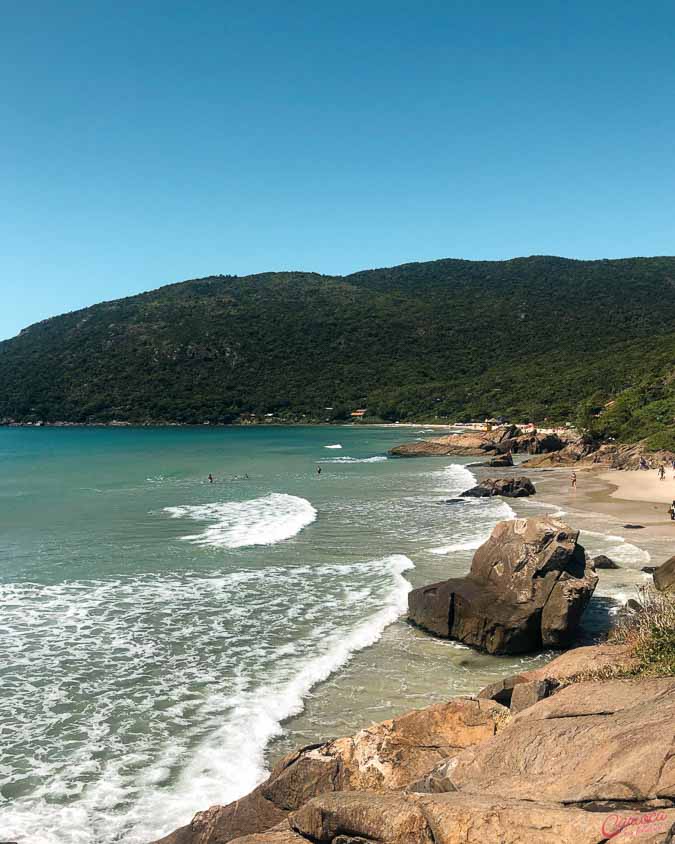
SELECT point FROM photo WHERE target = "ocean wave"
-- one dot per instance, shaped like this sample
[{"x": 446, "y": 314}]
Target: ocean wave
[
  {"x": 468, "y": 545},
  {"x": 238, "y": 524},
  {"x": 377, "y": 459},
  {"x": 616, "y": 548},
  {"x": 337, "y": 445},
  {"x": 195, "y": 732},
  {"x": 454, "y": 478}
]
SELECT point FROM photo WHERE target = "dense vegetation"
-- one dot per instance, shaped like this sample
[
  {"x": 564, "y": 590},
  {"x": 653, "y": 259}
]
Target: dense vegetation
[{"x": 538, "y": 338}]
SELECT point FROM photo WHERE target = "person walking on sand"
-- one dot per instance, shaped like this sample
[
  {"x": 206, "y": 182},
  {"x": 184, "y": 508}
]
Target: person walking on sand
[
  {"x": 671, "y": 510},
  {"x": 574, "y": 480},
  {"x": 662, "y": 473}
]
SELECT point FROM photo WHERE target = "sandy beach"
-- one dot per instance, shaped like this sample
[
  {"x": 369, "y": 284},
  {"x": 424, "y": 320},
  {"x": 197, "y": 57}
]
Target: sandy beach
[
  {"x": 641, "y": 485},
  {"x": 613, "y": 499}
]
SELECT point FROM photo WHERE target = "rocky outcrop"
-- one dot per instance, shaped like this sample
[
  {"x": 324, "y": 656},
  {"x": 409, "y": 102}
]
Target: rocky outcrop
[
  {"x": 475, "y": 443},
  {"x": 385, "y": 756},
  {"x": 527, "y": 589},
  {"x": 593, "y": 763},
  {"x": 501, "y": 461},
  {"x": 363, "y": 818},
  {"x": 507, "y": 487},
  {"x": 587, "y": 452},
  {"x": 603, "y": 562},
  {"x": 600, "y": 742},
  {"x": 664, "y": 576},
  {"x": 590, "y": 763},
  {"x": 569, "y": 666}
]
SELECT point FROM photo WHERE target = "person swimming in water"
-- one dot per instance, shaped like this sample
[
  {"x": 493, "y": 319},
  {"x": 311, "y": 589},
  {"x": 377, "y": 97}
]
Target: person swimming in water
[
  {"x": 210, "y": 478},
  {"x": 318, "y": 470}
]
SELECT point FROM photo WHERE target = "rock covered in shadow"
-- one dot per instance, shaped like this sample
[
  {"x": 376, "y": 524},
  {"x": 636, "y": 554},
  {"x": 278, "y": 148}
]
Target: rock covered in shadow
[
  {"x": 603, "y": 562},
  {"x": 508, "y": 487},
  {"x": 527, "y": 589}
]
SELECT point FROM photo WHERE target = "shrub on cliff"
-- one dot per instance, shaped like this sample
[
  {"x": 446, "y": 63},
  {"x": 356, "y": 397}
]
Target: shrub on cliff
[{"x": 650, "y": 632}]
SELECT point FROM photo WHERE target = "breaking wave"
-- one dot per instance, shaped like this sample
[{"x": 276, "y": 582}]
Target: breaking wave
[{"x": 237, "y": 524}]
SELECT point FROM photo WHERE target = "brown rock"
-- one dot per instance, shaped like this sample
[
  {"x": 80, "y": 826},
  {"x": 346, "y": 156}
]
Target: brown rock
[
  {"x": 500, "y": 461},
  {"x": 573, "y": 664},
  {"x": 364, "y": 818},
  {"x": 603, "y": 562},
  {"x": 664, "y": 576},
  {"x": 502, "y": 606},
  {"x": 385, "y": 756},
  {"x": 602, "y": 741},
  {"x": 371, "y": 817},
  {"x": 528, "y": 693},
  {"x": 467, "y": 444},
  {"x": 282, "y": 834}
]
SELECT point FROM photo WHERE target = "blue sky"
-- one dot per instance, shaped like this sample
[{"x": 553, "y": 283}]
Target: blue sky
[{"x": 149, "y": 142}]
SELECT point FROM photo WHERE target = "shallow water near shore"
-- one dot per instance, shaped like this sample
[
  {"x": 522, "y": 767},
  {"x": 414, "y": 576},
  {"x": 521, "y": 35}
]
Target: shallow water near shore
[{"x": 167, "y": 638}]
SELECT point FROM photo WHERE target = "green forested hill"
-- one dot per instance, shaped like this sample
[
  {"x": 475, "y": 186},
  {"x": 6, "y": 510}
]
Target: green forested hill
[{"x": 538, "y": 337}]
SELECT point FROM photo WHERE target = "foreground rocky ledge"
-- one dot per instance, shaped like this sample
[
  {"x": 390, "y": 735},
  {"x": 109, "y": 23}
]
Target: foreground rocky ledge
[{"x": 592, "y": 762}]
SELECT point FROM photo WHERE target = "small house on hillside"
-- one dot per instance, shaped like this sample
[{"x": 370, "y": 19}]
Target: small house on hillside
[{"x": 358, "y": 414}]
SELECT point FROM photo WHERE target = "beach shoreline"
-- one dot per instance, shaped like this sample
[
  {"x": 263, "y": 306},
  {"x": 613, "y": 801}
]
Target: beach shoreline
[{"x": 624, "y": 497}]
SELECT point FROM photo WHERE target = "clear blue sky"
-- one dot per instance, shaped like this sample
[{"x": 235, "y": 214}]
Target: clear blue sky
[{"x": 148, "y": 142}]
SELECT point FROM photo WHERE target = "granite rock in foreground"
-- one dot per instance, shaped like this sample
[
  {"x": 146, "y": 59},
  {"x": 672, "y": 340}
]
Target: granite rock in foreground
[
  {"x": 593, "y": 762},
  {"x": 384, "y": 756},
  {"x": 527, "y": 589}
]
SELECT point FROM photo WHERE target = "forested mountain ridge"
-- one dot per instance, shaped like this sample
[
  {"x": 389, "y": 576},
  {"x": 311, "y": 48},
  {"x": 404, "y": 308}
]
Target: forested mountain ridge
[{"x": 539, "y": 337}]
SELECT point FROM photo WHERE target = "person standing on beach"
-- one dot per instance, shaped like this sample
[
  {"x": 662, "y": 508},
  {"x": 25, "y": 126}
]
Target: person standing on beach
[
  {"x": 662, "y": 473},
  {"x": 574, "y": 480}
]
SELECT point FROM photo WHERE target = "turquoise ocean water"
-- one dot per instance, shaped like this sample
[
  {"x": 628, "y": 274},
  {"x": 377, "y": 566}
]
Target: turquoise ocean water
[{"x": 165, "y": 637}]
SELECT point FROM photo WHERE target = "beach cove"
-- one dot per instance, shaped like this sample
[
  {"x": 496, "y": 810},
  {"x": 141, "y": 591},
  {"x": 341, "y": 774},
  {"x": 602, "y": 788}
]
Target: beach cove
[{"x": 223, "y": 624}]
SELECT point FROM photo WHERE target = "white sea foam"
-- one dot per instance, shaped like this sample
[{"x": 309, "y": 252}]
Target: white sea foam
[
  {"x": 380, "y": 458},
  {"x": 617, "y": 548},
  {"x": 468, "y": 545},
  {"x": 237, "y": 524},
  {"x": 454, "y": 478},
  {"x": 168, "y": 688},
  {"x": 337, "y": 445}
]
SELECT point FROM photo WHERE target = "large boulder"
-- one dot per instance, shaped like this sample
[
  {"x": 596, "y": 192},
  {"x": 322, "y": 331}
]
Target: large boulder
[
  {"x": 527, "y": 589},
  {"x": 384, "y": 756},
  {"x": 508, "y": 487},
  {"x": 664, "y": 576}
]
